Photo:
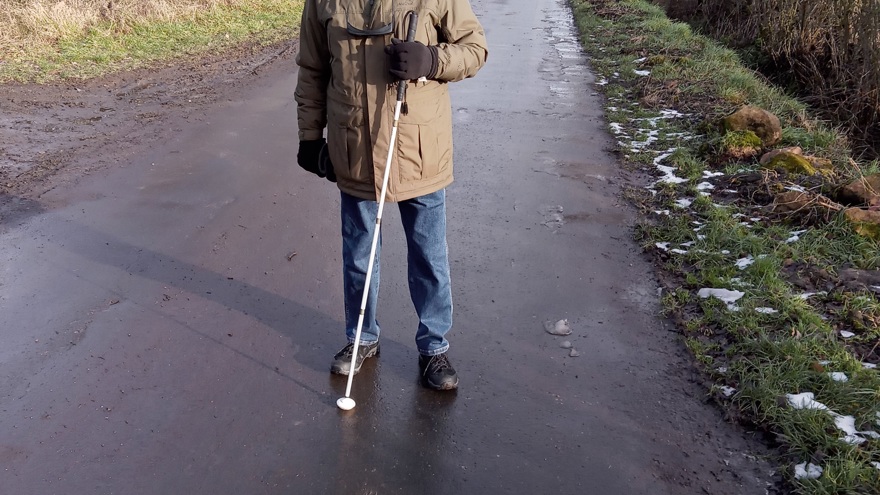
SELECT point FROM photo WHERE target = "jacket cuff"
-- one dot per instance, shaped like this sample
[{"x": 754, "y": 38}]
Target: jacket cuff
[{"x": 435, "y": 62}]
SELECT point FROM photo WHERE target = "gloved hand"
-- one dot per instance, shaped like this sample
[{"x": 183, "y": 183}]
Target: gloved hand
[
  {"x": 411, "y": 59},
  {"x": 314, "y": 157}
]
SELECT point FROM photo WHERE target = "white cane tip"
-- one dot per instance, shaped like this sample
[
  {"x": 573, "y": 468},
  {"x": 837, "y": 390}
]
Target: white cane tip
[{"x": 345, "y": 403}]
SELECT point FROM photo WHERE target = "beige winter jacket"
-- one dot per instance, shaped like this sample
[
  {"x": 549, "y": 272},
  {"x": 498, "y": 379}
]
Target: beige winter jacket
[{"x": 344, "y": 85}]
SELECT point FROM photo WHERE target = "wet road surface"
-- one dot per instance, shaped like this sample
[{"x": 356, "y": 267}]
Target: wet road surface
[{"x": 168, "y": 324}]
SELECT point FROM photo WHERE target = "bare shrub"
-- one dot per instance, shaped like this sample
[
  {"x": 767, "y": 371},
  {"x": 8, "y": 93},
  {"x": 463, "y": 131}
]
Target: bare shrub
[{"x": 830, "y": 46}]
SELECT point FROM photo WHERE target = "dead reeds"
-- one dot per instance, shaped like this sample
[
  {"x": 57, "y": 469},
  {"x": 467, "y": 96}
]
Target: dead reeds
[
  {"x": 28, "y": 24},
  {"x": 831, "y": 48}
]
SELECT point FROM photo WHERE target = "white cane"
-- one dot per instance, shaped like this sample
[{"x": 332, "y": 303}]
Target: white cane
[{"x": 347, "y": 403}]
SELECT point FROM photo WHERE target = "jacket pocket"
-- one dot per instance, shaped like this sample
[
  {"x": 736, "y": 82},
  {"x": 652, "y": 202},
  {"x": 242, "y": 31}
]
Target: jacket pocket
[{"x": 346, "y": 138}]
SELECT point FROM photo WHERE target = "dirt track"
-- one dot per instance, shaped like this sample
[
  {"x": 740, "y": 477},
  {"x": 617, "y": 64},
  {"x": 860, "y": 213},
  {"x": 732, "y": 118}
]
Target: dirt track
[
  {"x": 160, "y": 336},
  {"x": 56, "y": 133}
]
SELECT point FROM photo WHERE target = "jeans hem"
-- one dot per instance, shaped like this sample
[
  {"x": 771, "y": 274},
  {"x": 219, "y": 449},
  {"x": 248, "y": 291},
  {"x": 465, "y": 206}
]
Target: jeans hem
[
  {"x": 435, "y": 352},
  {"x": 363, "y": 342}
]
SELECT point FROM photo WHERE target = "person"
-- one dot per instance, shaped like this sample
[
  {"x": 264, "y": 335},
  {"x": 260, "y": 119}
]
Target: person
[{"x": 350, "y": 59}]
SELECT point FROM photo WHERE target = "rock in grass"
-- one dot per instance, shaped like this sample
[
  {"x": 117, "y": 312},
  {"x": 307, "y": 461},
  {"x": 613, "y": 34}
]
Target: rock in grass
[
  {"x": 863, "y": 192},
  {"x": 791, "y": 163},
  {"x": 749, "y": 118},
  {"x": 561, "y": 327},
  {"x": 741, "y": 145},
  {"x": 866, "y": 223}
]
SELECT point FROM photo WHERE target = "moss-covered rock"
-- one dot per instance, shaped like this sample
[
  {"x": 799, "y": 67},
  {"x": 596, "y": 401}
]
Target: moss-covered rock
[
  {"x": 822, "y": 165},
  {"x": 763, "y": 123},
  {"x": 863, "y": 192},
  {"x": 791, "y": 163},
  {"x": 740, "y": 144},
  {"x": 766, "y": 157},
  {"x": 866, "y": 223}
]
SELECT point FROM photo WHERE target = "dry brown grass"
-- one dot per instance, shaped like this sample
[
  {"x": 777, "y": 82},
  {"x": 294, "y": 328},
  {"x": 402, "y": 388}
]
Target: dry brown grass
[
  {"x": 28, "y": 24},
  {"x": 830, "y": 47}
]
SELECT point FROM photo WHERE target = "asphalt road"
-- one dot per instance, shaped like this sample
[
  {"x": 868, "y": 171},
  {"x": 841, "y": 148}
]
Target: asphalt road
[{"x": 168, "y": 323}]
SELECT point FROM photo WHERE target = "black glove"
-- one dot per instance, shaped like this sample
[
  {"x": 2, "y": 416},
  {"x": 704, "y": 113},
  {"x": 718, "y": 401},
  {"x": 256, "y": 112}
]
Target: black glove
[
  {"x": 314, "y": 157},
  {"x": 411, "y": 59}
]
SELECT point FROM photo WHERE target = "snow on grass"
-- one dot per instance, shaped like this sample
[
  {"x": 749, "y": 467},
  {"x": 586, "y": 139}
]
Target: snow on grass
[
  {"x": 807, "y": 295},
  {"x": 616, "y": 128},
  {"x": 683, "y": 202},
  {"x": 847, "y": 334},
  {"x": 795, "y": 236},
  {"x": 744, "y": 263},
  {"x": 728, "y": 297},
  {"x": 805, "y": 400},
  {"x": 642, "y": 72},
  {"x": 728, "y": 391},
  {"x": 766, "y": 311},
  {"x": 804, "y": 471},
  {"x": 869, "y": 366},
  {"x": 838, "y": 376},
  {"x": 846, "y": 424}
]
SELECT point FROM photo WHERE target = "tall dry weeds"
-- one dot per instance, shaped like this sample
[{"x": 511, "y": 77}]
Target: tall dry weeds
[
  {"x": 28, "y": 24},
  {"x": 830, "y": 47}
]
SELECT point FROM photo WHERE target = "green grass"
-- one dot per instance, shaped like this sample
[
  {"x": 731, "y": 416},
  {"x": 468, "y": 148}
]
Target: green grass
[
  {"x": 103, "y": 49},
  {"x": 765, "y": 354}
]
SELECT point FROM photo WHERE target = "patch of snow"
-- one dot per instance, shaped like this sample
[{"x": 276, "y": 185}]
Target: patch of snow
[
  {"x": 807, "y": 295},
  {"x": 721, "y": 369},
  {"x": 662, "y": 245},
  {"x": 838, "y": 376},
  {"x": 617, "y": 128},
  {"x": 640, "y": 60},
  {"x": 669, "y": 176},
  {"x": 662, "y": 212},
  {"x": 804, "y": 471},
  {"x": 683, "y": 203},
  {"x": 725, "y": 252},
  {"x": 795, "y": 236},
  {"x": 795, "y": 188},
  {"x": 728, "y": 391},
  {"x": 805, "y": 400},
  {"x": 726, "y": 296},
  {"x": 869, "y": 366},
  {"x": 846, "y": 424},
  {"x": 602, "y": 82},
  {"x": 642, "y": 72},
  {"x": 678, "y": 251},
  {"x": 847, "y": 334},
  {"x": 766, "y": 311},
  {"x": 705, "y": 186},
  {"x": 707, "y": 174},
  {"x": 876, "y": 465},
  {"x": 744, "y": 263}
]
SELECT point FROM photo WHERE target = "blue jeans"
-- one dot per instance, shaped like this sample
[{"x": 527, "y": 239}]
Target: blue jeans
[{"x": 424, "y": 224}]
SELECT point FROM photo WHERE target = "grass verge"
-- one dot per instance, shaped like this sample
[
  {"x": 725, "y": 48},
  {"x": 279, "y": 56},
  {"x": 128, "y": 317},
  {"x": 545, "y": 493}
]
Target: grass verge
[
  {"x": 787, "y": 341},
  {"x": 92, "y": 45}
]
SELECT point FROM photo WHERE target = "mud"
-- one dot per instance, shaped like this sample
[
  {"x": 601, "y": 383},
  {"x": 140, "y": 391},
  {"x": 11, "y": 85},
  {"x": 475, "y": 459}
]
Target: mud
[{"x": 57, "y": 133}]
